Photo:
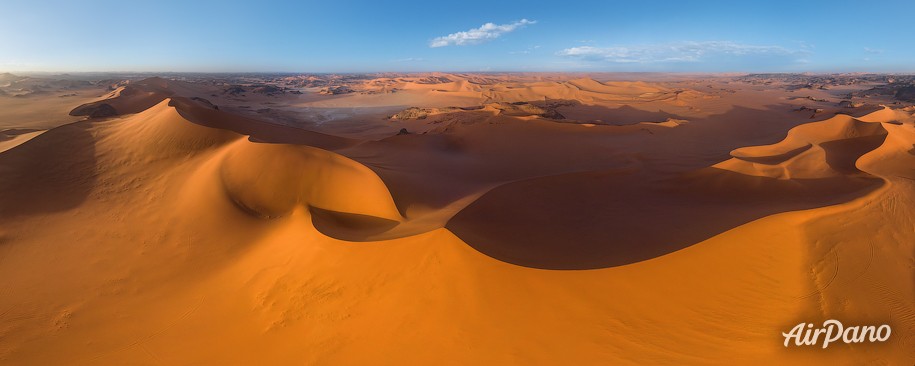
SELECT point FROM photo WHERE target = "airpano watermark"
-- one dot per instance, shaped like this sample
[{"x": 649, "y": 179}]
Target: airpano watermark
[{"x": 832, "y": 331}]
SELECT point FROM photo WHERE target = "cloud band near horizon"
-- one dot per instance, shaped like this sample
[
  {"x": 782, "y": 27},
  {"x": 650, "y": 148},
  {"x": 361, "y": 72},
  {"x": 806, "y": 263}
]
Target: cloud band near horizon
[{"x": 684, "y": 51}]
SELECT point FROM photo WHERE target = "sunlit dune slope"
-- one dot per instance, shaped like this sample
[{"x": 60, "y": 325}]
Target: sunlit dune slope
[{"x": 816, "y": 150}]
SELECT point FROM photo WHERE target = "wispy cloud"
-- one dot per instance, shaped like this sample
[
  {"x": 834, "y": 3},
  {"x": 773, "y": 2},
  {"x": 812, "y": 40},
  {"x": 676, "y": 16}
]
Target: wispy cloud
[
  {"x": 873, "y": 50},
  {"x": 409, "y": 59},
  {"x": 687, "y": 51},
  {"x": 485, "y": 33},
  {"x": 525, "y": 51}
]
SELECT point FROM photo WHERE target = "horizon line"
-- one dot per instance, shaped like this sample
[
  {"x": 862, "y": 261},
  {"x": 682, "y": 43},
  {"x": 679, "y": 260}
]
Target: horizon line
[{"x": 460, "y": 72}]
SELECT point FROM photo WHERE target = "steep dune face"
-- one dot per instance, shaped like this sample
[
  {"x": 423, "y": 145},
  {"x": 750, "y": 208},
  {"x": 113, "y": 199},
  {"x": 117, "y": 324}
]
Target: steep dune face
[
  {"x": 162, "y": 132},
  {"x": 272, "y": 179},
  {"x": 59, "y": 168},
  {"x": 14, "y": 137},
  {"x": 132, "y": 98},
  {"x": 817, "y": 150},
  {"x": 889, "y": 115},
  {"x": 608, "y": 218},
  {"x": 184, "y": 234},
  {"x": 265, "y": 180},
  {"x": 260, "y": 131},
  {"x": 603, "y": 219},
  {"x": 815, "y": 159}
]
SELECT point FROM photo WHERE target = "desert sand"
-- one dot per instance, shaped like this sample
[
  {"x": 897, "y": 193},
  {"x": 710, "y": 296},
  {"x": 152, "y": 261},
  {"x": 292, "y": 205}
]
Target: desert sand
[{"x": 454, "y": 219}]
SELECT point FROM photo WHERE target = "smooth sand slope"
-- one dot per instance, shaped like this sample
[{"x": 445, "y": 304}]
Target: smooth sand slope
[{"x": 176, "y": 233}]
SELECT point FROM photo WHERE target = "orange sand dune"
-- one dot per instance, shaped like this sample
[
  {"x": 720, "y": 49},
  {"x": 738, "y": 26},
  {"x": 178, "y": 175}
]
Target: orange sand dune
[
  {"x": 11, "y": 138},
  {"x": 817, "y": 150},
  {"x": 577, "y": 215},
  {"x": 131, "y": 98},
  {"x": 176, "y": 233}
]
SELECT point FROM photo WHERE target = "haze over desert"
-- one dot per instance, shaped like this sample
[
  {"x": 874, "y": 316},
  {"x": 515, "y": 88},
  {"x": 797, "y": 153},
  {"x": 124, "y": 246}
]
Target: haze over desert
[{"x": 676, "y": 201}]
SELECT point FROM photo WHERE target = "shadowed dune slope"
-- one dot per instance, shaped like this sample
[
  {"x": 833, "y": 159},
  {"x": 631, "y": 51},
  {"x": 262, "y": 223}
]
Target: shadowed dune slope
[
  {"x": 51, "y": 172},
  {"x": 606, "y": 218}
]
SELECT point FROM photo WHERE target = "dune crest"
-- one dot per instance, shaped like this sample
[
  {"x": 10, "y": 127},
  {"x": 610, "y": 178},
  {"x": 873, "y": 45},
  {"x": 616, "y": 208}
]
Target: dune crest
[
  {"x": 271, "y": 179},
  {"x": 161, "y": 131},
  {"x": 126, "y": 99},
  {"x": 816, "y": 150}
]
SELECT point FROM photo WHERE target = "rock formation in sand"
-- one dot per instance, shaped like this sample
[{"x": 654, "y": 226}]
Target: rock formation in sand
[
  {"x": 336, "y": 90},
  {"x": 94, "y": 110}
]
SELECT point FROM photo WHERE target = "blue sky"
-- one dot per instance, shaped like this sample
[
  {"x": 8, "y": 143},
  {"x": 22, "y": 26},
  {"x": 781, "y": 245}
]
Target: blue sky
[{"x": 370, "y": 36}]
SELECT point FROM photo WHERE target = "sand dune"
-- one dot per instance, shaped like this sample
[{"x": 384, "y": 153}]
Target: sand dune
[
  {"x": 815, "y": 150},
  {"x": 175, "y": 233},
  {"x": 11, "y": 138},
  {"x": 606, "y": 218},
  {"x": 127, "y": 99}
]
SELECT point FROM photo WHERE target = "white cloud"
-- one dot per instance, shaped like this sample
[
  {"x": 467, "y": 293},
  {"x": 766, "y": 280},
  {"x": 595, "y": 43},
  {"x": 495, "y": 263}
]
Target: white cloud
[
  {"x": 873, "y": 50},
  {"x": 486, "y": 32},
  {"x": 409, "y": 59},
  {"x": 688, "y": 51}
]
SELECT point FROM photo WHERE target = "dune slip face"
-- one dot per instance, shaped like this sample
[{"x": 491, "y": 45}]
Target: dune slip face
[{"x": 456, "y": 218}]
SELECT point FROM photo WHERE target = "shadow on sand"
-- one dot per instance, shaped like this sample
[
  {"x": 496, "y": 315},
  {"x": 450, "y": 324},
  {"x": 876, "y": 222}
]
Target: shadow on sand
[{"x": 52, "y": 172}]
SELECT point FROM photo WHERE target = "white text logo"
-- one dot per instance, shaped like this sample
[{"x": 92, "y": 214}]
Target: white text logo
[{"x": 832, "y": 331}]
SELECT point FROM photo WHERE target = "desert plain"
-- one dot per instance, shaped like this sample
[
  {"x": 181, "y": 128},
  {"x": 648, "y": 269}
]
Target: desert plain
[{"x": 454, "y": 218}]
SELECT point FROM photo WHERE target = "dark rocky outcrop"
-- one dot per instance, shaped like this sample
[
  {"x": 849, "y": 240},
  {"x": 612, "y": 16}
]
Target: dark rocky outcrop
[
  {"x": 906, "y": 94},
  {"x": 267, "y": 89},
  {"x": 850, "y": 104},
  {"x": 336, "y": 90},
  {"x": 94, "y": 110},
  {"x": 234, "y": 90},
  {"x": 434, "y": 80},
  {"x": 412, "y": 113},
  {"x": 205, "y": 102}
]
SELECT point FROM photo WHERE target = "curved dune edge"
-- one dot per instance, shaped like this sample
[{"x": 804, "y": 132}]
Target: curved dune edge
[
  {"x": 18, "y": 139},
  {"x": 172, "y": 271},
  {"x": 132, "y": 98},
  {"x": 814, "y": 150},
  {"x": 600, "y": 219},
  {"x": 263, "y": 180}
]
